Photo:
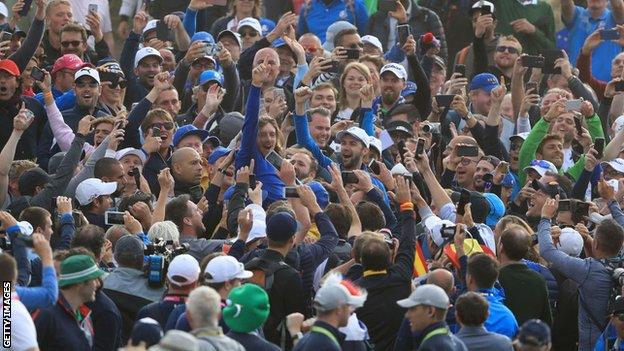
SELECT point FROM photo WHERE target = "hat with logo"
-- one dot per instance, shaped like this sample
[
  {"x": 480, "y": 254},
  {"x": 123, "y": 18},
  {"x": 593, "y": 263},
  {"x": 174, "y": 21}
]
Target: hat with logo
[
  {"x": 87, "y": 72},
  {"x": 187, "y": 130},
  {"x": 232, "y": 34},
  {"x": 68, "y": 61},
  {"x": 77, "y": 269},
  {"x": 541, "y": 167},
  {"x": 147, "y": 51},
  {"x": 10, "y": 67},
  {"x": 131, "y": 151},
  {"x": 250, "y": 22},
  {"x": 336, "y": 292},
  {"x": 400, "y": 127},
  {"x": 147, "y": 330},
  {"x": 210, "y": 76},
  {"x": 267, "y": 26},
  {"x": 484, "y": 81},
  {"x": 183, "y": 270},
  {"x": 217, "y": 153},
  {"x": 395, "y": 68},
  {"x": 90, "y": 189},
  {"x": 434, "y": 227},
  {"x": 281, "y": 226},
  {"x": 410, "y": 88},
  {"x": 372, "y": 40},
  {"x": 617, "y": 165},
  {"x": 151, "y": 25},
  {"x": 570, "y": 242},
  {"x": 534, "y": 332},
  {"x": 428, "y": 295},
  {"x": 224, "y": 268},
  {"x": 203, "y": 37},
  {"x": 247, "y": 308},
  {"x": 357, "y": 133}
]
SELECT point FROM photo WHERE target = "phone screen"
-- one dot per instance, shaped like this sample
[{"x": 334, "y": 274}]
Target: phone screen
[
  {"x": 403, "y": 31},
  {"x": 599, "y": 145},
  {"x": 550, "y": 56},
  {"x": 461, "y": 69},
  {"x": 291, "y": 191},
  {"x": 26, "y": 8},
  {"x": 464, "y": 199},
  {"x": 37, "y": 74},
  {"x": 420, "y": 147},
  {"x": 353, "y": 54},
  {"x": 163, "y": 32},
  {"x": 467, "y": 151},
  {"x": 444, "y": 100},
  {"x": 349, "y": 177},
  {"x": 275, "y": 159},
  {"x": 113, "y": 217}
]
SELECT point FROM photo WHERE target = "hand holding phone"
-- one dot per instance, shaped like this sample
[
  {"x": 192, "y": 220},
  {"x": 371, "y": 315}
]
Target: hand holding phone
[
  {"x": 420, "y": 148},
  {"x": 599, "y": 144},
  {"x": 533, "y": 61},
  {"x": 113, "y": 217},
  {"x": 403, "y": 32},
  {"x": 464, "y": 199},
  {"x": 573, "y": 105},
  {"x": 467, "y": 151},
  {"x": 460, "y": 69},
  {"x": 93, "y": 8},
  {"x": 349, "y": 177},
  {"x": 444, "y": 101},
  {"x": 37, "y": 74},
  {"x": 609, "y": 34}
]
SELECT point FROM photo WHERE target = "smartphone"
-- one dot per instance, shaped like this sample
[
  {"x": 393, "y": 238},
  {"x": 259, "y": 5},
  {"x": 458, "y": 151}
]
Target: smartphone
[
  {"x": 504, "y": 167},
  {"x": 156, "y": 132},
  {"x": 93, "y": 8},
  {"x": 599, "y": 144},
  {"x": 485, "y": 10},
  {"x": 573, "y": 105},
  {"x": 386, "y": 5},
  {"x": 26, "y": 8},
  {"x": 113, "y": 217},
  {"x": 348, "y": 177},
  {"x": 467, "y": 150},
  {"x": 420, "y": 147},
  {"x": 535, "y": 185},
  {"x": 564, "y": 206},
  {"x": 403, "y": 31},
  {"x": 275, "y": 159},
  {"x": 6, "y": 36},
  {"x": 353, "y": 54},
  {"x": 444, "y": 101},
  {"x": 619, "y": 85},
  {"x": 533, "y": 61},
  {"x": 464, "y": 198},
  {"x": 550, "y": 56},
  {"x": 609, "y": 34},
  {"x": 210, "y": 49},
  {"x": 461, "y": 69},
  {"x": 291, "y": 191},
  {"x": 488, "y": 178},
  {"x": 374, "y": 166},
  {"x": 53, "y": 203},
  {"x": 334, "y": 68},
  {"x": 579, "y": 126},
  {"x": 531, "y": 86},
  {"x": 581, "y": 208},
  {"x": 136, "y": 173},
  {"x": 37, "y": 74},
  {"x": 163, "y": 32},
  {"x": 252, "y": 181},
  {"x": 401, "y": 147}
]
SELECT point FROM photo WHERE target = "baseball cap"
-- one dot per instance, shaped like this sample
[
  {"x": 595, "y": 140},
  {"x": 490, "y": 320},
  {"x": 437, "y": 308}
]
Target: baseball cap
[
  {"x": 68, "y": 61},
  {"x": 357, "y": 133},
  {"x": 187, "y": 130},
  {"x": 210, "y": 76},
  {"x": 10, "y": 67},
  {"x": 509, "y": 181},
  {"x": 217, "y": 153},
  {"x": 202, "y": 36},
  {"x": 247, "y": 308},
  {"x": 400, "y": 126},
  {"x": 147, "y": 330},
  {"x": 258, "y": 227},
  {"x": 91, "y": 188},
  {"x": 131, "y": 151},
  {"x": 434, "y": 226},
  {"x": 331, "y": 32},
  {"x": 553, "y": 189},
  {"x": 522, "y": 136},
  {"x": 410, "y": 88},
  {"x": 336, "y": 292},
  {"x": 373, "y": 40},
  {"x": 151, "y": 25},
  {"x": 426, "y": 294},
  {"x": 228, "y": 32},
  {"x": 497, "y": 209},
  {"x": 534, "y": 332},
  {"x": 541, "y": 167},
  {"x": 375, "y": 144},
  {"x": 77, "y": 269},
  {"x": 399, "y": 169},
  {"x": 250, "y": 22},
  {"x": 321, "y": 194},
  {"x": 281, "y": 226},
  {"x": 224, "y": 268},
  {"x": 146, "y": 52},
  {"x": 267, "y": 26},
  {"x": 87, "y": 72},
  {"x": 4, "y": 11},
  {"x": 229, "y": 126},
  {"x": 618, "y": 124},
  {"x": 570, "y": 242},
  {"x": 128, "y": 246},
  {"x": 397, "y": 69},
  {"x": 484, "y": 81},
  {"x": 110, "y": 71},
  {"x": 477, "y": 5},
  {"x": 183, "y": 270},
  {"x": 617, "y": 164}
]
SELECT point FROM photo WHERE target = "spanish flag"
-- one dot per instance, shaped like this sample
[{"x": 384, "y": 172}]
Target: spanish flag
[{"x": 420, "y": 264}]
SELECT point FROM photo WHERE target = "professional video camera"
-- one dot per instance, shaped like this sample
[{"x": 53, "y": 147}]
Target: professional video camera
[{"x": 158, "y": 255}]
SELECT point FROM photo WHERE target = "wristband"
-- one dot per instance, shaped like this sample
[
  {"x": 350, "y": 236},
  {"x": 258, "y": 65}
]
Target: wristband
[
  {"x": 48, "y": 94},
  {"x": 407, "y": 206}
]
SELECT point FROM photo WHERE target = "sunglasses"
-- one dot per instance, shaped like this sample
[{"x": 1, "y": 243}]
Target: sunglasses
[
  {"x": 466, "y": 161},
  {"x": 165, "y": 125},
  {"x": 73, "y": 43},
  {"x": 509, "y": 49},
  {"x": 120, "y": 83},
  {"x": 91, "y": 85},
  {"x": 248, "y": 33}
]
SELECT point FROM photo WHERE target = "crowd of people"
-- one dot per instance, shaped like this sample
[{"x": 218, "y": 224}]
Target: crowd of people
[{"x": 312, "y": 175}]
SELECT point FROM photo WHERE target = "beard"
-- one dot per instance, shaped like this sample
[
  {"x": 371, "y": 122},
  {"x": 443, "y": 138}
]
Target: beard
[{"x": 389, "y": 98}]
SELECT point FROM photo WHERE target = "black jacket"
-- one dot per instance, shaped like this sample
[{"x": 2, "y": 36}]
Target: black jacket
[
  {"x": 315, "y": 341},
  {"x": 28, "y": 142}
]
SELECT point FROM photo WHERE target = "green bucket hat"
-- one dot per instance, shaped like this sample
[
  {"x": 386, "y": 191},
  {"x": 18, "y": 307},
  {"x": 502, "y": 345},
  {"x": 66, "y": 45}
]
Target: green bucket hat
[
  {"x": 78, "y": 269},
  {"x": 247, "y": 308}
]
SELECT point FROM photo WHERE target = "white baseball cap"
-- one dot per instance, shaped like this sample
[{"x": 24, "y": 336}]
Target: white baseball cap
[
  {"x": 427, "y": 294},
  {"x": 371, "y": 39},
  {"x": 91, "y": 188},
  {"x": 250, "y": 22},
  {"x": 258, "y": 228},
  {"x": 375, "y": 144},
  {"x": 183, "y": 270},
  {"x": 87, "y": 71},
  {"x": 541, "y": 167},
  {"x": 4, "y": 11},
  {"x": 145, "y": 52},
  {"x": 434, "y": 225},
  {"x": 224, "y": 268},
  {"x": 357, "y": 133},
  {"x": 397, "y": 69},
  {"x": 618, "y": 124},
  {"x": 336, "y": 292},
  {"x": 227, "y": 32},
  {"x": 479, "y": 4},
  {"x": 522, "y": 136},
  {"x": 570, "y": 242},
  {"x": 399, "y": 169},
  {"x": 131, "y": 151},
  {"x": 151, "y": 25},
  {"x": 617, "y": 164}
]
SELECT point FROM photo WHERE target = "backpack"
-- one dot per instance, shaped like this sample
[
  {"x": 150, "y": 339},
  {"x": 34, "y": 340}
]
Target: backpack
[{"x": 264, "y": 272}]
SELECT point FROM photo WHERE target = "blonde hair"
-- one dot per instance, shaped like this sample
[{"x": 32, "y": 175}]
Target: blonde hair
[{"x": 360, "y": 67}]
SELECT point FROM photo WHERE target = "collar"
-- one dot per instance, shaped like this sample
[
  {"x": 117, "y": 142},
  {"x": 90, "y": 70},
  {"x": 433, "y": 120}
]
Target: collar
[
  {"x": 370, "y": 272},
  {"x": 340, "y": 336},
  {"x": 468, "y": 330},
  {"x": 272, "y": 255},
  {"x": 421, "y": 336},
  {"x": 128, "y": 272},
  {"x": 66, "y": 307},
  {"x": 175, "y": 298},
  {"x": 208, "y": 331}
]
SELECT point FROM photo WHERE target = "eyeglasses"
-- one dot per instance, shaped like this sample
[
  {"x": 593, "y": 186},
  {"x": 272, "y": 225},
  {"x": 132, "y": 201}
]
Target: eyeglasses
[
  {"x": 165, "y": 125},
  {"x": 91, "y": 85},
  {"x": 73, "y": 43},
  {"x": 509, "y": 49},
  {"x": 250, "y": 32},
  {"x": 466, "y": 161}
]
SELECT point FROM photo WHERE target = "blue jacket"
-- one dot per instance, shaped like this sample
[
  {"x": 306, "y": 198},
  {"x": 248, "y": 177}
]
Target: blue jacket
[
  {"x": 106, "y": 323},
  {"x": 501, "y": 320},
  {"x": 607, "y": 340},
  {"x": 316, "y": 16},
  {"x": 252, "y": 341},
  {"x": 551, "y": 281},
  {"x": 40, "y": 296},
  {"x": 265, "y": 172}
]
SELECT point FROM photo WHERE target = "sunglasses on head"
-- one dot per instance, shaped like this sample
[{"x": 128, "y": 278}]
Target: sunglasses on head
[
  {"x": 248, "y": 32},
  {"x": 165, "y": 125},
  {"x": 509, "y": 49},
  {"x": 73, "y": 43}
]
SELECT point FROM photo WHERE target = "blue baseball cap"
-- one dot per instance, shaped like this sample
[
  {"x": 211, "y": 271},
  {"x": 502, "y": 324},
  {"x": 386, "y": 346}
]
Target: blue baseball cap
[
  {"x": 267, "y": 26},
  {"x": 210, "y": 76},
  {"x": 484, "y": 81},
  {"x": 322, "y": 196},
  {"x": 410, "y": 88},
  {"x": 187, "y": 130},
  {"x": 497, "y": 209},
  {"x": 217, "y": 153},
  {"x": 279, "y": 42},
  {"x": 534, "y": 332},
  {"x": 509, "y": 181},
  {"x": 203, "y": 36}
]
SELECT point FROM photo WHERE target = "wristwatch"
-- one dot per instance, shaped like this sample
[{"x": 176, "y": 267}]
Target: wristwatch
[{"x": 297, "y": 336}]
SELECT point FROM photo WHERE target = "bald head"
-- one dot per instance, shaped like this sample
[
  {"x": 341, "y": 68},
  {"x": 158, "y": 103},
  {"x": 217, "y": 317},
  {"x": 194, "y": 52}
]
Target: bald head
[
  {"x": 442, "y": 278},
  {"x": 186, "y": 166},
  {"x": 269, "y": 57}
]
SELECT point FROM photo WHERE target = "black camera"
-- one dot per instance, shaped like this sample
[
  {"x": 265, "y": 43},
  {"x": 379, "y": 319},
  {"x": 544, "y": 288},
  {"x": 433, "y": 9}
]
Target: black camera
[
  {"x": 158, "y": 255},
  {"x": 448, "y": 232}
]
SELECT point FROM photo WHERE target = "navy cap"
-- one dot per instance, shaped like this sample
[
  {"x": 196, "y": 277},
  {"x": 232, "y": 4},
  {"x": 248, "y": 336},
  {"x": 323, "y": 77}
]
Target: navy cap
[
  {"x": 281, "y": 226},
  {"x": 509, "y": 181},
  {"x": 400, "y": 126},
  {"x": 210, "y": 76},
  {"x": 203, "y": 36},
  {"x": 484, "y": 81},
  {"x": 187, "y": 130},
  {"x": 217, "y": 154},
  {"x": 410, "y": 88},
  {"x": 534, "y": 332},
  {"x": 147, "y": 330}
]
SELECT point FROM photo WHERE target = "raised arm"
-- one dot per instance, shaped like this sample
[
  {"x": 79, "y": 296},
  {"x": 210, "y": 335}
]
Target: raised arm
[
  {"x": 304, "y": 138},
  {"x": 250, "y": 126},
  {"x": 165, "y": 179},
  {"x": 21, "y": 122}
]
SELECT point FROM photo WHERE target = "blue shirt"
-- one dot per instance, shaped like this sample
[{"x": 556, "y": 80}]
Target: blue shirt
[
  {"x": 581, "y": 27},
  {"x": 317, "y": 16},
  {"x": 501, "y": 320}
]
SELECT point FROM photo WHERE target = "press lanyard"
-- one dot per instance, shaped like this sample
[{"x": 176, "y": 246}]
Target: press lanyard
[
  {"x": 434, "y": 333},
  {"x": 326, "y": 332}
]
